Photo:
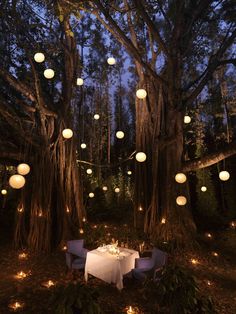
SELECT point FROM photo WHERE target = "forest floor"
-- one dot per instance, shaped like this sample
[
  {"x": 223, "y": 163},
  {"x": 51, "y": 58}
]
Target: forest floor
[{"x": 216, "y": 276}]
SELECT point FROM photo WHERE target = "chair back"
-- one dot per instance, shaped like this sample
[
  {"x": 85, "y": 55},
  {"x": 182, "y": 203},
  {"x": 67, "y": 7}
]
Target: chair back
[
  {"x": 159, "y": 257},
  {"x": 75, "y": 246}
]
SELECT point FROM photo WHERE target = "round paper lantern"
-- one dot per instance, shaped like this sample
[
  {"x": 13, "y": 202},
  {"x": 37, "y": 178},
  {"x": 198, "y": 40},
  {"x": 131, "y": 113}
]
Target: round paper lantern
[
  {"x": 129, "y": 172},
  {"x": 117, "y": 190},
  {"x": 203, "y": 188},
  {"x": 79, "y": 81},
  {"x": 180, "y": 177},
  {"x": 49, "y": 74},
  {"x": 187, "y": 119},
  {"x": 23, "y": 169},
  {"x": 89, "y": 171},
  {"x": 4, "y": 192},
  {"x": 141, "y": 93},
  {"x": 181, "y": 200},
  {"x": 67, "y": 133},
  {"x": 91, "y": 195},
  {"x": 17, "y": 181},
  {"x": 224, "y": 175},
  {"x": 39, "y": 57},
  {"x": 120, "y": 134},
  {"x": 140, "y": 157},
  {"x": 96, "y": 116},
  {"x": 104, "y": 188},
  {"x": 83, "y": 145},
  {"x": 111, "y": 61}
]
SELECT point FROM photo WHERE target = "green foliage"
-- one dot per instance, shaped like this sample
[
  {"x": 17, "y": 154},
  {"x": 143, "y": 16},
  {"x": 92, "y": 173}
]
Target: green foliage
[
  {"x": 76, "y": 298},
  {"x": 177, "y": 290}
]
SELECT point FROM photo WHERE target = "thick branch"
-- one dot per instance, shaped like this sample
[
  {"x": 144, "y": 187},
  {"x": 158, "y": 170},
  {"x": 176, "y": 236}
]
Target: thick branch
[{"x": 210, "y": 159}]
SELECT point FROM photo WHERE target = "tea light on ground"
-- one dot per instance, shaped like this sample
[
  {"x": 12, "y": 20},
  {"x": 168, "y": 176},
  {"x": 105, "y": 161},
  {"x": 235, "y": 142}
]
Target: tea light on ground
[
  {"x": 20, "y": 275},
  {"x": 20, "y": 210},
  {"x": 140, "y": 209},
  {"x": 67, "y": 209},
  {"x": 48, "y": 284},
  {"x": 209, "y": 283},
  {"x": 23, "y": 256},
  {"x": 194, "y": 261},
  {"x": 84, "y": 219},
  {"x": 130, "y": 310},
  {"x": 81, "y": 231},
  {"x": 215, "y": 254},
  {"x": 163, "y": 221},
  {"x": 16, "y": 305},
  {"x": 209, "y": 235},
  {"x": 64, "y": 248}
]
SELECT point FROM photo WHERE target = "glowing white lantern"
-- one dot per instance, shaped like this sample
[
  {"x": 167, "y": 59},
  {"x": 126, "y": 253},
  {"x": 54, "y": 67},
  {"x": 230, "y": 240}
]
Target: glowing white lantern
[
  {"x": 141, "y": 93},
  {"x": 4, "y": 192},
  {"x": 140, "y": 157},
  {"x": 111, "y": 61},
  {"x": 49, "y": 74},
  {"x": 91, "y": 195},
  {"x": 17, "y": 181},
  {"x": 203, "y": 188},
  {"x": 89, "y": 171},
  {"x": 117, "y": 190},
  {"x": 23, "y": 169},
  {"x": 180, "y": 177},
  {"x": 79, "y": 81},
  {"x": 104, "y": 188},
  {"x": 83, "y": 145},
  {"x": 67, "y": 133},
  {"x": 129, "y": 172},
  {"x": 39, "y": 57},
  {"x": 120, "y": 134},
  {"x": 224, "y": 175},
  {"x": 96, "y": 116},
  {"x": 187, "y": 119},
  {"x": 181, "y": 200}
]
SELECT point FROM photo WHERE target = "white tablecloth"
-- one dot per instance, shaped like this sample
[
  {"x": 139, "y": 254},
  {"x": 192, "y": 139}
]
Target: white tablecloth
[{"x": 108, "y": 267}]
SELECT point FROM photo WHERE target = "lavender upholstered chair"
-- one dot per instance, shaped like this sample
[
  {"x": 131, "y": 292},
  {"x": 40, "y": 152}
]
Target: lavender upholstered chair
[
  {"x": 76, "y": 254},
  {"x": 147, "y": 266}
]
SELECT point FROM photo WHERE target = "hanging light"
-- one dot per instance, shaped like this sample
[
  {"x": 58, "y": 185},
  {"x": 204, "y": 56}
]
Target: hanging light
[
  {"x": 83, "y": 145},
  {"x": 67, "y": 133},
  {"x": 187, "y": 119},
  {"x": 141, "y": 157},
  {"x": 4, "y": 192},
  {"x": 23, "y": 169},
  {"x": 111, "y": 61},
  {"x": 89, "y": 171},
  {"x": 104, "y": 188},
  {"x": 49, "y": 74},
  {"x": 17, "y": 181},
  {"x": 203, "y": 188},
  {"x": 91, "y": 195},
  {"x": 96, "y": 116},
  {"x": 117, "y": 190},
  {"x": 79, "y": 81},
  {"x": 120, "y": 134},
  {"x": 181, "y": 200},
  {"x": 224, "y": 175},
  {"x": 39, "y": 57},
  {"x": 141, "y": 93},
  {"x": 129, "y": 172},
  {"x": 180, "y": 177}
]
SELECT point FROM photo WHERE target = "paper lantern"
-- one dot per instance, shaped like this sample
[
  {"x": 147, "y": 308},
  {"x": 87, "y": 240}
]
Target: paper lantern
[
  {"x": 181, "y": 200},
  {"x": 89, "y": 171},
  {"x": 23, "y": 169},
  {"x": 141, "y": 93},
  {"x": 17, "y": 181},
  {"x": 117, "y": 190},
  {"x": 49, "y": 74},
  {"x": 4, "y": 192},
  {"x": 96, "y": 116},
  {"x": 67, "y": 133},
  {"x": 129, "y": 172},
  {"x": 39, "y": 57},
  {"x": 91, "y": 195},
  {"x": 83, "y": 145},
  {"x": 120, "y": 134},
  {"x": 224, "y": 175},
  {"x": 203, "y": 188},
  {"x": 111, "y": 61},
  {"x": 140, "y": 157},
  {"x": 187, "y": 119},
  {"x": 104, "y": 188},
  {"x": 180, "y": 177},
  {"x": 79, "y": 81}
]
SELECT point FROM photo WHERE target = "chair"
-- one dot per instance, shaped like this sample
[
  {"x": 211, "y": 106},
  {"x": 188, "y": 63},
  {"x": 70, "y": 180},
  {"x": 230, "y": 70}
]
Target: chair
[
  {"x": 76, "y": 254},
  {"x": 148, "y": 266}
]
